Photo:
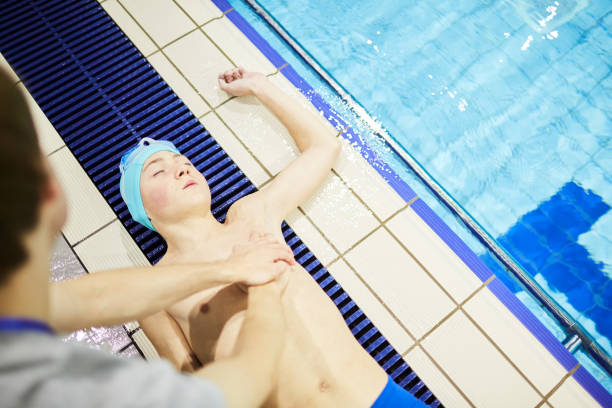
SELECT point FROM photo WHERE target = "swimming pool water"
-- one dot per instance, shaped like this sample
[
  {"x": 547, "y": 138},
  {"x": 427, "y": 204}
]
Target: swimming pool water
[{"x": 508, "y": 104}]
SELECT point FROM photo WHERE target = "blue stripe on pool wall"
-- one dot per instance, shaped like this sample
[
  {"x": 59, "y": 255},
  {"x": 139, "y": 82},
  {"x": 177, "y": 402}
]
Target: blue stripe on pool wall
[
  {"x": 313, "y": 96},
  {"x": 593, "y": 387},
  {"x": 518, "y": 309},
  {"x": 452, "y": 240},
  {"x": 391, "y": 177},
  {"x": 256, "y": 39}
]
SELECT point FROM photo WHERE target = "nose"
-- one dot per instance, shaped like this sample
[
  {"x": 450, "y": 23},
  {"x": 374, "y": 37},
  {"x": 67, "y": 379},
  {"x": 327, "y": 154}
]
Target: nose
[{"x": 183, "y": 170}]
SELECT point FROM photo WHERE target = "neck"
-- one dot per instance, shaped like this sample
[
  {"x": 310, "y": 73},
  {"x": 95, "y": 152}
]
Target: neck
[
  {"x": 188, "y": 235},
  {"x": 26, "y": 293}
]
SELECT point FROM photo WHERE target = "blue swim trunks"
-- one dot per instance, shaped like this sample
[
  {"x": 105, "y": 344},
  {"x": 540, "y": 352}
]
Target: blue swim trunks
[{"x": 395, "y": 396}]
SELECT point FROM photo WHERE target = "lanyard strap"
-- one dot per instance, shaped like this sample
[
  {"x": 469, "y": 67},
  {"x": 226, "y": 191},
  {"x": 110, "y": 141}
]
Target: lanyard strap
[{"x": 20, "y": 324}]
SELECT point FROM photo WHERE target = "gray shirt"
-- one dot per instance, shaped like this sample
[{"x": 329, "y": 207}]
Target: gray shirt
[{"x": 39, "y": 370}]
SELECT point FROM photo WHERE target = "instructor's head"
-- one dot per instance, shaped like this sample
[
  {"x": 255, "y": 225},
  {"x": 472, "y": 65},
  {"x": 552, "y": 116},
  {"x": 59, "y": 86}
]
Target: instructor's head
[
  {"x": 33, "y": 203},
  {"x": 160, "y": 186}
]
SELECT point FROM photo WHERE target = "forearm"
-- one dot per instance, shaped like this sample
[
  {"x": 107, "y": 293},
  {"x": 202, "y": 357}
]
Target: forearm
[
  {"x": 303, "y": 125},
  {"x": 117, "y": 296},
  {"x": 249, "y": 375}
]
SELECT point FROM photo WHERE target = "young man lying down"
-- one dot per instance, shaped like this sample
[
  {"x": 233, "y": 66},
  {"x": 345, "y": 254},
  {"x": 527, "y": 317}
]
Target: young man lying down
[{"x": 321, "y": 365}]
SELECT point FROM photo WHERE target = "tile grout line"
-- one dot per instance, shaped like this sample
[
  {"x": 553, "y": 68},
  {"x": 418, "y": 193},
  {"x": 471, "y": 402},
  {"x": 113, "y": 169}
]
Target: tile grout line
[
  {"x": 418, "y": 262},
  {"x": 343, "y": 254},
  {"x": 445, "y": 318},
  {"x": 445, "y": 374},
  {"x": 459, "y": 306},
  {"x": 199, "y": 27},
  {"x": 270, "y": 175},
  {"x": 300, "y": 209},
  {"x": 499, "y": 349},
  {"x": 559, "y": 384},
  {"x": 94, "y": 232},
  {"x": 384, "y": 305},
  {"x": 161, "y": 50},
  {"x": 57, "y": 150}
]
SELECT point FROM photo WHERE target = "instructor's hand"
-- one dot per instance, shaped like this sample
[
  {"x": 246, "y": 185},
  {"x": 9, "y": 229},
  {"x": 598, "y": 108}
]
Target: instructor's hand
[{"x": 260, "y": 260}]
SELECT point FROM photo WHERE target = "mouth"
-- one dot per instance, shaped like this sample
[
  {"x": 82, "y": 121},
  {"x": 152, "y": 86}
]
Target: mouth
[{"x": 189, "y": 184}]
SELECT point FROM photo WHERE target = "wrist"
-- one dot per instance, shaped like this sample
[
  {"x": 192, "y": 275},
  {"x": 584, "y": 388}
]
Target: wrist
[
  {"x": 228, "y": 271},
  {"x": 259, "y": 85}
]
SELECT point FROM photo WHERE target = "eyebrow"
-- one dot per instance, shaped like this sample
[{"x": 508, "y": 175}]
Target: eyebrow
[{"x": 159, "y": 159}]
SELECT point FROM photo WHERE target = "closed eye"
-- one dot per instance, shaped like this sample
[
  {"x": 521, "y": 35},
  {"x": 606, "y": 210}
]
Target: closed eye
[{"x": 157, "y": 172}]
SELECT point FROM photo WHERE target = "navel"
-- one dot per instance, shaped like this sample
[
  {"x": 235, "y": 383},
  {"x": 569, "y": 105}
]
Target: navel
[{"x": 324, "y": 386}]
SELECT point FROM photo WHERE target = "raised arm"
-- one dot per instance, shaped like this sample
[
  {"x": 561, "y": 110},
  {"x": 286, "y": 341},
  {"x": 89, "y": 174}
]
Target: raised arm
[
  {"x": 318, "y": 146},
  {"x": 117, "y": 296}
]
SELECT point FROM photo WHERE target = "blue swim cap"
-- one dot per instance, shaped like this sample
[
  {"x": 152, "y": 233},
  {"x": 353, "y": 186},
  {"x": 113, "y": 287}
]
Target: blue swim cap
[{"x": 131, "y": 167}]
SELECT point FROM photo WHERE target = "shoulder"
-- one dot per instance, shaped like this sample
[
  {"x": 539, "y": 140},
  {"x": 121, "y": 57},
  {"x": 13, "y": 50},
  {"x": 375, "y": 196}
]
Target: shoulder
[{"x": 248, "y": 207}]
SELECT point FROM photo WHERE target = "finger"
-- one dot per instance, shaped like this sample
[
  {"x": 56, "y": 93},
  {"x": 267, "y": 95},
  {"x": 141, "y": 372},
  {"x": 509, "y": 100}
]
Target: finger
[
  {"x": 242, "y": 71},
  {"x": 222, "y": 84},
  {"x": 280, "y": 268},
  {"x": 283, "y": 255}
]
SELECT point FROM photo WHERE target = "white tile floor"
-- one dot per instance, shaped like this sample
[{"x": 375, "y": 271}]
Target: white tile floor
[
  {"x": 88, "y": 211},
  {"x": 400, "y": 272}
]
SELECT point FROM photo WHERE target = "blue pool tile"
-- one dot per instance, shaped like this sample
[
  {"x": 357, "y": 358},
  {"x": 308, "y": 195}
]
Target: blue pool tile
[
  {"x": 526, "y": 242},
  {"x": 590, "y": 271},
  {"x": 574, "y": 75},
  {"x": 580, "y": 296},
  {"x": 606, "y": 296},
  {"x": 560, "y": 277},
  {"x": 593, "y": 119},
  {"x": 602, "y": 317}
]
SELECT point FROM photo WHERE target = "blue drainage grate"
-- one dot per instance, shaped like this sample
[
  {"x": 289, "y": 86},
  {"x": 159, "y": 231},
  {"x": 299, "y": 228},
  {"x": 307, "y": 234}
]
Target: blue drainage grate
[{"x": 102, "y": 96}]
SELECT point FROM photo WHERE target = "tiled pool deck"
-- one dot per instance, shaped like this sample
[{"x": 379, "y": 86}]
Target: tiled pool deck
[{"x": 471, "y": 341}]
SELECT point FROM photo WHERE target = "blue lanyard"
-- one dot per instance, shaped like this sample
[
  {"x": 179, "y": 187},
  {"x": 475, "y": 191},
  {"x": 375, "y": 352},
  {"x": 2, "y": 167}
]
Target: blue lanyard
[{"x": 20, "y": 324}]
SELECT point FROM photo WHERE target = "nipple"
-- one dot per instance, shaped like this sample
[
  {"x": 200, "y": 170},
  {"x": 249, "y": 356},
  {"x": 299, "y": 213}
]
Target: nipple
[{"x": 204, "y": 308}]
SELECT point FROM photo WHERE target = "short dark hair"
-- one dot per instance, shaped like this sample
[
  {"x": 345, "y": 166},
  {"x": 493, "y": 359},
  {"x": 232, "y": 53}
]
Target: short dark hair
[{"x": 22, "y": 176}]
